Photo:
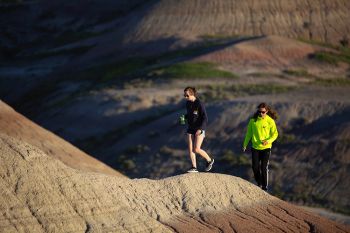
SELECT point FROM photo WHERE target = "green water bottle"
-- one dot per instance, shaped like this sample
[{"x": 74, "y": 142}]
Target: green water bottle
[{"x": 182, "y": 119}]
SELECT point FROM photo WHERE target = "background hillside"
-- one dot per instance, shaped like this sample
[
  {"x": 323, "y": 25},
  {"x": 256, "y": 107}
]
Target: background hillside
[{"x": 108, "y": 76}]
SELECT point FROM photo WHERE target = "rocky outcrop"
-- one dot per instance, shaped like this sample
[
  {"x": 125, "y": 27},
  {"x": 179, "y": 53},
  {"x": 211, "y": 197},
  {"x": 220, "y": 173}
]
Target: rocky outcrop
[{"x": 41, "y": 194}]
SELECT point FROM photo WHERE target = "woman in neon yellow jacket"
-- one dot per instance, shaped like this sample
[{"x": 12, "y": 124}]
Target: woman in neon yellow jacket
[{"x": 262, "y": 131}]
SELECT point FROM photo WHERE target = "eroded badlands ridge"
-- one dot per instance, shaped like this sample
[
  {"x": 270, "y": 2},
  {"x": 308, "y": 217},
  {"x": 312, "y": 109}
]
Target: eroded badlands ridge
[{"x": 41, "y": 194}]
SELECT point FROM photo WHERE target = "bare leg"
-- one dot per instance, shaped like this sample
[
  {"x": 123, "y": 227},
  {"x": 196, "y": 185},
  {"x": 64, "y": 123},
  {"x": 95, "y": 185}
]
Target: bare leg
[
  {"x": 197, "y": 147},
  {"x": 190, "y": 139}
]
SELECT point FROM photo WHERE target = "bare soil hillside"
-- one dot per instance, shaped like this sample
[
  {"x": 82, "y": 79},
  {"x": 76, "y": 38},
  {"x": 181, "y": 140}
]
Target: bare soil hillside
[
  {"x": 270, "y": 54},
  {"x": 40, "y": 194},
  {"x": 320, "y": 20},
  {"x": 19, "y": 127}
]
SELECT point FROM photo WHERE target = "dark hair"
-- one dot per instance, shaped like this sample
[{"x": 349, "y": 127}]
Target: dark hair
[
  {"x": 191, "y": 90},
  {"x": 272, "y": 113}
]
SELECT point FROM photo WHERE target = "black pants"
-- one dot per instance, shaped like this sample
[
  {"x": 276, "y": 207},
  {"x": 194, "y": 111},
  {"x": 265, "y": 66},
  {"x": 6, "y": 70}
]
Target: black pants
[{"x": 260, "y": 163}]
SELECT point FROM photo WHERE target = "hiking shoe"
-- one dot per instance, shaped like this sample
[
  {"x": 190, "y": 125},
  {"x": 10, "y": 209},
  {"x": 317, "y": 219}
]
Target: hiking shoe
[
  {"x": 192, "y": 170},
  {"x": 264, "y": 188},
  {"x": 209, "y": 165}
]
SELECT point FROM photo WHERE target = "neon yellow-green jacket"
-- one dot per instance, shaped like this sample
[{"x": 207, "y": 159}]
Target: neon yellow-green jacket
[{"x": 262, "y": 129}]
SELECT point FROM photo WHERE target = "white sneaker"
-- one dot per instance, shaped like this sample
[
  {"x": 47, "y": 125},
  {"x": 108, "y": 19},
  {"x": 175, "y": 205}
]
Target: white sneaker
[{"x": 192, "y": 170}]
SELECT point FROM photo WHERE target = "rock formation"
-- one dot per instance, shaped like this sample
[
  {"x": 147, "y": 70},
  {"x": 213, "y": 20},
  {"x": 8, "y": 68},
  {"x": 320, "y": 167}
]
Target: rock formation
[{"x": 41, "y": 194}]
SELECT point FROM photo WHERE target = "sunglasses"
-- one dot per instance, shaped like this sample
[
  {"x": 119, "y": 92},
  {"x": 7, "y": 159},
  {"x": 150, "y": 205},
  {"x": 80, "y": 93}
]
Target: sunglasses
[
  {"x": 262, "y": 112},
  {"x": 186, "y": 96}
]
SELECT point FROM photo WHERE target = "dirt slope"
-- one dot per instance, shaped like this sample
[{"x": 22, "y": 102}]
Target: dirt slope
[
  {"x": 269, "y": 53},
  {"x": 322, "y": 20},
  {"x": 18, "y": 126},
  {"x": 159, "y": 26},
  {"x": 40, "y": 194}
]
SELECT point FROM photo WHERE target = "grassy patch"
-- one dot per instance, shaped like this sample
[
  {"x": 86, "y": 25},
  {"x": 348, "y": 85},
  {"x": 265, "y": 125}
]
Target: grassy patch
[
  {"x": 193, "y": 70},
  {"x": 297, "y": 72},
  {"x": 123, "y": 68},
  {"x": 221, "y": 92},
  {"x": 332, "y": 82},
  {"x": 332, "y": 57},
  {"x": 103, "y": 73}
]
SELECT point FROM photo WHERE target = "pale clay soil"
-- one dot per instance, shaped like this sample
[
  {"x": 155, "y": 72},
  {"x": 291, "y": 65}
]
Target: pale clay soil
[{"x": 41, "y": 194}]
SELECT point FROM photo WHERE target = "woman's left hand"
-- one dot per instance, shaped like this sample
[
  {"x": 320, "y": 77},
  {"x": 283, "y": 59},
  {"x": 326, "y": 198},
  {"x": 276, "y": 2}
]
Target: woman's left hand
[
  {"x": 199, "y": 132},
  {"x": 264, "y": 143}
]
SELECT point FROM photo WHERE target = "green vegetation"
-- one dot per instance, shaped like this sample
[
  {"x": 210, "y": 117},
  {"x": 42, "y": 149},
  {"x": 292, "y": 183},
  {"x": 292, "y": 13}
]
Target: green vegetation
[
  {"x": 162, "y": 66},
  {"x": 123, "y": 72},
  {"x": 193, "y": 70},
  {"x": 332, "y": 82},
  {"x": 122, "y": 68},
  {"x": 111, "y": 72},
  {"x": 220, "y": 92},
  {"x": 342, "y": 53},
  {"x": 332, "y": 57},
  {"x": 297, "y": 73},
  {"x": 142, "y": 66},
  {"x": 231, "y": 159}
]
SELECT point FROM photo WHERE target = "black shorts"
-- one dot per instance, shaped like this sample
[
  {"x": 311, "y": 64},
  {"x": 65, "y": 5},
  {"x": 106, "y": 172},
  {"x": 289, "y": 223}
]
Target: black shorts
[{"x": 193, "y": 131}]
